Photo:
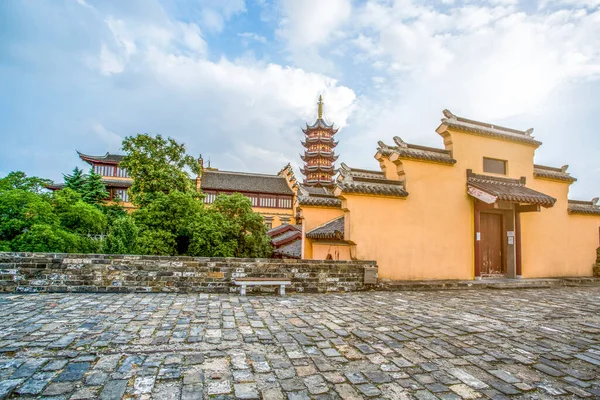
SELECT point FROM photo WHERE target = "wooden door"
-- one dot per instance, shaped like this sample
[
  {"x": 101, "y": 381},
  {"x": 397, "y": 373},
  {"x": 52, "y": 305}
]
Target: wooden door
[{"x": 491, "y": 244}]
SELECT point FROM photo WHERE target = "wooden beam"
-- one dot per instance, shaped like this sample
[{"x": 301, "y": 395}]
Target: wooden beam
[
  {"x": 518, "y": 271},
  {"x": 528, "y": 208},
  {"x": 477, "y": 215}
]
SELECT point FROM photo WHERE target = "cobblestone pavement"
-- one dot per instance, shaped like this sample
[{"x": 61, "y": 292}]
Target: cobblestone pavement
[{"x": 537, "y": 343}]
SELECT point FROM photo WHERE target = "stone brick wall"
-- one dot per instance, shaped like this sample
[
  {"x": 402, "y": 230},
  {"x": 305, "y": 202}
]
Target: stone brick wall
[{"x": 50, "y": 272}]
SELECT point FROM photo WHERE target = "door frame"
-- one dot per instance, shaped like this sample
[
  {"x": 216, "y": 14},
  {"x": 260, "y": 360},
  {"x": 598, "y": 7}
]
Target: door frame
[{"x": 503, "y": 245}]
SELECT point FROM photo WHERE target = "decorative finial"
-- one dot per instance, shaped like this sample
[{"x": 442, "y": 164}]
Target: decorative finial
[
  {"x": 564, "y": 168},
  {"x": 320, "y": 103},
  {"x": 448, "y": 114},
  {"x": 595, "y": 201},
  {"x": 529, "y": 132},
  {"x": 399, "y": 142}
]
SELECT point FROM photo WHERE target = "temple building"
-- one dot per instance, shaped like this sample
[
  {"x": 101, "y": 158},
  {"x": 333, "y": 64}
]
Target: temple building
[
  {"x": 478, "y": 207},
  {"x": 319, "y": 158}
]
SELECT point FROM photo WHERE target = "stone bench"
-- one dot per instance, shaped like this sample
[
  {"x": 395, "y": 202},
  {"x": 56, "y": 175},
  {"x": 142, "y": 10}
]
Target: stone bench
[{"x": 243, "y": 282}]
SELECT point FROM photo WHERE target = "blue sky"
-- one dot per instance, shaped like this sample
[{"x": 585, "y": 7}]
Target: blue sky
[{"x": 236, "y": 79}]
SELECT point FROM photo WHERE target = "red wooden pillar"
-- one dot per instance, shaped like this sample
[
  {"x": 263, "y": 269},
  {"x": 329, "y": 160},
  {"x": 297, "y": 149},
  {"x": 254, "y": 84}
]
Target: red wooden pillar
[
  {"x": 518, "y": 271},
  {"x": 477, "y": 215}
]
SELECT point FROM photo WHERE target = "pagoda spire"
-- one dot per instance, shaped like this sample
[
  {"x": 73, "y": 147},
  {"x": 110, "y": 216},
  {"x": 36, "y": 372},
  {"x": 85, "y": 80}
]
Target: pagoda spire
[
  {"x": 320, "y": 103},
  {"x": 319, "y": 157}
]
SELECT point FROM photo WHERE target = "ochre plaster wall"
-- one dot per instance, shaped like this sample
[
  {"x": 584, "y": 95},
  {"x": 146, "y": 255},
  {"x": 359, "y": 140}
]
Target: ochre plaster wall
[
  {"x": 338, "y": 251},
  {"x": 276, "y": 213},
  {"x": 555, "y": 243},
  {"x": 428, "y": 235},
  {"x": 311, "y": 218}
]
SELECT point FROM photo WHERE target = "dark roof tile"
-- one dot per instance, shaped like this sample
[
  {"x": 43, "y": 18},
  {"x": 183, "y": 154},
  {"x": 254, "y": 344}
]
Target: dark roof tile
[
  {"x": 292, "y": 250},
  {"x": 415, "y": 152},
  {"x": 352, "y": 180},
  {"x": 485, "y": 129},
  {"x": 560, "y": 174},
  {"x": 333, "y": 229},
  {"x": 244, "y": 182},
  {"x": 584, "y": 207},
  {"x": 512, "y": 190}
]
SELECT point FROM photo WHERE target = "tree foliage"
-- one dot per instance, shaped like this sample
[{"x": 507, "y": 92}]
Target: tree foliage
[
  {"x": 122, "y": 236},
  {"x": 93, "y": 189},
  {"x": 19, "y": 180},
  {"x": 76, "y": 180},
  {"x": 157, "y": 165},
  {"x": 170, "y": 219}
]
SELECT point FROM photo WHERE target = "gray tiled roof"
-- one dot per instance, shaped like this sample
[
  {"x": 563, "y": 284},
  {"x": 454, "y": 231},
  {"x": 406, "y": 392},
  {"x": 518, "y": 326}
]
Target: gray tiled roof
[
  {"x": 331, "y": 230},
  {"x": 321, "y": 201},
  {"x": 352, "y": 180},
  {"x": 485, "y": 129},
  {"x": 108, "y": 158},
  {"x": 584, "y": 207},
  {"x": 512, "y": 190},
  {"x": 123, "y": 183},
  {"x": 561, "y": 174},
  {"x": 292, "y": 250},
  {"x": 244, "y": 182},
  {"x": 287, "y": 236},
  {"x": 415, "y": 152}
]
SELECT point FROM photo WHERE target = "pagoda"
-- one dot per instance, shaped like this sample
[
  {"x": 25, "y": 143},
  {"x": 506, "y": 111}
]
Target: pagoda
[{"x": 319, "y": 157}]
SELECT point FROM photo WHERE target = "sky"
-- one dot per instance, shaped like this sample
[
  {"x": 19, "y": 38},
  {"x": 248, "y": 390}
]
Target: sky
[{"x": 235, "y": 80}]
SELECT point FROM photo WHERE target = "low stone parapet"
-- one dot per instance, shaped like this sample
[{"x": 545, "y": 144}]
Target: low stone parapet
[{"x": 52, "y": 272}]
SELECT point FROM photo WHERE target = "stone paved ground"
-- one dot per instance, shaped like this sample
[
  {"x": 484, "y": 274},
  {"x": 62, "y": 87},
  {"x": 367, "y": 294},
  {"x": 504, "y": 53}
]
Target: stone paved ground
[{"x": 537, "y": 343}]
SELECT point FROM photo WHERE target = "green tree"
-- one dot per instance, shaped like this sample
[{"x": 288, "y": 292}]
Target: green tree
[
  {"x": 157, "y": 165},
  {"x": 94, "y": 190},
  {"x": 77, "y": 216},
  {"x": 76, "y": 180},
  {"x": 209, "y": 236},
  {"x": 48, "y": 238},
  {"x": 19, "y": 180},
  {"x": 170, "y": 214},
  {"x": 156, "y": 242},
  {"x": 245, "y": 226},
  {"x": 20, "y": 210},
  {"x": 122, "y": 236}
]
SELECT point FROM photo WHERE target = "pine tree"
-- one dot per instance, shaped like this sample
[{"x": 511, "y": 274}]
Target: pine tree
[
  {"x": 76, "y": 180},
  {"x": 94, "y": 190}
]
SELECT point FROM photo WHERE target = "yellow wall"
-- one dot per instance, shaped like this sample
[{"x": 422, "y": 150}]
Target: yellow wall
[
  {"x": 429, "y": 234},
  {"x": 554, "y": 242},
  {"x": 276, "y": 214},
  {"x": 311, "y": 218},
  {"x": 338, "y": 251}
]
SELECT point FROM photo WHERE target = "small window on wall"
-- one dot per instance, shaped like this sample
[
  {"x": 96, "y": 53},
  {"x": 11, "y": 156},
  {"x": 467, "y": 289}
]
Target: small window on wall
[{"x": 494, "y": 166}]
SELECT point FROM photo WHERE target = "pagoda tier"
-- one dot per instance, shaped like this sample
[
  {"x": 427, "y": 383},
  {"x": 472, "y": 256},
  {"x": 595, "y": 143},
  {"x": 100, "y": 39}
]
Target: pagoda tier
[
  {"x": 319, "y": 157},
  {"x": 311, "y": 155},
  {"x": 317, "y": 168},
  {"x": 319, "y": 140}
]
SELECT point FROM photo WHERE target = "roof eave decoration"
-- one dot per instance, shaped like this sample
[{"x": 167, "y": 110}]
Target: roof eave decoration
[
  {"x": 484, "y": 129},
  {"x": 584, "y": 207},
  {"x": 552, "y": 173},
  {"x": 100, "y": 159},
  {"x": 352, "y": 181},
  {"x": 403, "y": 150},
  {"x": 320, "y": 201},
  {"x": 331, "y": 230},
  {"x": 491, "y": 189}
]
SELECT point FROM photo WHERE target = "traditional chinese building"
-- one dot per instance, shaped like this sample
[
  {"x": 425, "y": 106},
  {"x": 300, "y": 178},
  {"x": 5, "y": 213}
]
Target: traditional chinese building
[
  {"x": 319, "y": 157},
  {"x": 272, "y": 196},
  {"x": 115, "y": 178},
  {"x": 478, "y": 207}
]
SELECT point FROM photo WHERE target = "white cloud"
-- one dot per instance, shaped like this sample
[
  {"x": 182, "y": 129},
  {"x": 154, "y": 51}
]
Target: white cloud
[
  {"x": 252, "y": 36},
  {"x": 110, "y": 139},
  {"x": 257, "y": 109},
  {"x": 312, "y": 22}
]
